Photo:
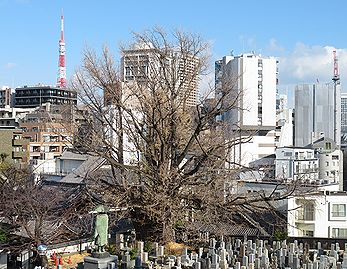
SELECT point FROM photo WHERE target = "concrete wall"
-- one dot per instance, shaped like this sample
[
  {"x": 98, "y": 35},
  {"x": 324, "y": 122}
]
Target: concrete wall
[
  {"x": 257, "y": 147},
  {"x": 3, "y": 259},
  {"x": 70, "y": 247}
]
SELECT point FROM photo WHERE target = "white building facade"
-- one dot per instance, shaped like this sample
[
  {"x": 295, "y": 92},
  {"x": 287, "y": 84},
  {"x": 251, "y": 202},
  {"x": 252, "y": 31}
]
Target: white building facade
[
  {"x": 296, "y": 164},
  {"x": 253, "y": 80},
  {"x": 318, "y": 215},
  {"x": 284, "y": 123},
  {"x": 144, "y": 69}
]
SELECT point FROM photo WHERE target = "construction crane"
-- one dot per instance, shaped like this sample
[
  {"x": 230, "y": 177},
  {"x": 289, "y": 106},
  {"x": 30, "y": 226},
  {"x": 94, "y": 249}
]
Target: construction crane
[
  {"x": 336, "y": 80},
  {"x": 336, "y": 77}
]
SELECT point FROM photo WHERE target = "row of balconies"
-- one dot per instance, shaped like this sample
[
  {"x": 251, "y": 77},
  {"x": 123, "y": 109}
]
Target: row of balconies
[
  {"x": 30, "y": 93},
  {"x": 38, "y": 149}
]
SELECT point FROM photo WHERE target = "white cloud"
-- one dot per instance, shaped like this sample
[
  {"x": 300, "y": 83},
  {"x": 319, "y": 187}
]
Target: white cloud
[
  {"x": 10, "y": 65},
  {"x": 307, "y": 64},
  {"x": 274, "y": 48}
]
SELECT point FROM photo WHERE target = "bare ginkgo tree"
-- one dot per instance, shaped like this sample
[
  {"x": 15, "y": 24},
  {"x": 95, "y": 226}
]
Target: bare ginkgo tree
[{"x": 168, "y": 155}]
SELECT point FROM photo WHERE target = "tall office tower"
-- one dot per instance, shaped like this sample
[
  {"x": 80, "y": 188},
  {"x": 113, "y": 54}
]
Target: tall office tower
[
  {"x": 344, "y": 119},
  {"x": 253, "y": 82},
  {"x": 145, "y": 69},
  {"x": 317, "y": 113},
  {"x": 143, "y": 62}
]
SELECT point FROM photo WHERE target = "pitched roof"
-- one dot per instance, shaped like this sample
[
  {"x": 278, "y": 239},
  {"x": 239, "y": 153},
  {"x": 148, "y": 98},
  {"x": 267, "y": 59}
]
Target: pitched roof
[{"x": 80, "y": 174}]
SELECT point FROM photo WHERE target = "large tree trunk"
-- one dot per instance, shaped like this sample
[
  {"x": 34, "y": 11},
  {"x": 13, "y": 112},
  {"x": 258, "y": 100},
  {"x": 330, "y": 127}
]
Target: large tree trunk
[{"x": 168, "y": 233}]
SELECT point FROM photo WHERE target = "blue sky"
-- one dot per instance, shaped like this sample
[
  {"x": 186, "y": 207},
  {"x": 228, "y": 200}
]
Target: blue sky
[{"x": 302, "y": 34}]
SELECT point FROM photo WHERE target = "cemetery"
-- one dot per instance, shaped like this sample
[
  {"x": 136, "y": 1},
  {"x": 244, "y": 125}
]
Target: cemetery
[{"x": 221, "y": 253}]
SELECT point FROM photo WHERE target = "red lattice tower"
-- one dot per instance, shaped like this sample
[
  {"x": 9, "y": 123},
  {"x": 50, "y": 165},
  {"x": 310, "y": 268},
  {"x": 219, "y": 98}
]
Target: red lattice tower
[{"x": 62, "y": 68}]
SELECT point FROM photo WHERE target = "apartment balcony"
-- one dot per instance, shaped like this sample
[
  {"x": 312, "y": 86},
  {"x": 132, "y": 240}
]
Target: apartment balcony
[{"x": 305, "y": 218}]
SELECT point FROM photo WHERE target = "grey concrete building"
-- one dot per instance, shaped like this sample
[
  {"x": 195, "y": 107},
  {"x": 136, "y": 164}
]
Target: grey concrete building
[
  {"x": 344, "y": 119},
  {"x": 317, "y": 113}
]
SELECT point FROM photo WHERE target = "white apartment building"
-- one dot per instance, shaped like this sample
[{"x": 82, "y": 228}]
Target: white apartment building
[
  {"x": 296, "y": 164},
  {"x": 322, "y": 214},
  {"x": 143, "y": 62},
  {"x": 10, "y": 116},
  {"x": 253, "y": 80},
  {"x": 330, "y": 161},
  {"x": 284, "y": 123},
  {"x": 141, "y": 66},
  {"x": 253, "y": 148}
]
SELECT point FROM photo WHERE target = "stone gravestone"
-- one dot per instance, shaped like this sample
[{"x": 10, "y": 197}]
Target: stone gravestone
[{"x": 100, "y": 258}]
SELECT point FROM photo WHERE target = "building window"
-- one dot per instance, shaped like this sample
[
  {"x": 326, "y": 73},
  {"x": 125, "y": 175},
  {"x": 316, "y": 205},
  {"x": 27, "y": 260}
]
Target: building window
[
  {"x": 339, "y": 233},
  {"x": 128, "y": 71},
  {"x": 328, "y": 145},
  {"x": 260, "y": 63},
  {"x": 326, "y": 163},
  {"x": 306, "y": 210},
  {"x": 338, "y": 210},
  {"x": 143, "y": 70},
  {"x": 307, "y": 233},
  {"x": 335, "y": 157}
]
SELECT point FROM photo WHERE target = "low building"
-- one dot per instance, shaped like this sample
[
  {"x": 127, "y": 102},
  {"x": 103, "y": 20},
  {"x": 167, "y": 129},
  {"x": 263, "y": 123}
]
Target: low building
[
  {"x": 10, "y": 116},
  {"x": 14, "y": 147},
  {"x": 321, "y": 214},
  {"x": 47, "y": 140},
  {"x": 330, "y": 161},
  {"x": 252, "y": 147},
  {"x": 50, "y": 131},
  {"x": 296, "y": 164}
]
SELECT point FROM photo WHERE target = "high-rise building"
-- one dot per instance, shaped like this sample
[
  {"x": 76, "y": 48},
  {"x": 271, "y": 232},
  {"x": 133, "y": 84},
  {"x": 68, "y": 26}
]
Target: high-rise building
[
  {"x": 34, "y": 96},
  {"x": 317, "y": 113},
  {"x": 145, "y": 68},
  {"x": 344, "y": 118},
  {"x": 143, "y": 63},
  {"x": 252, "y": 79}
]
